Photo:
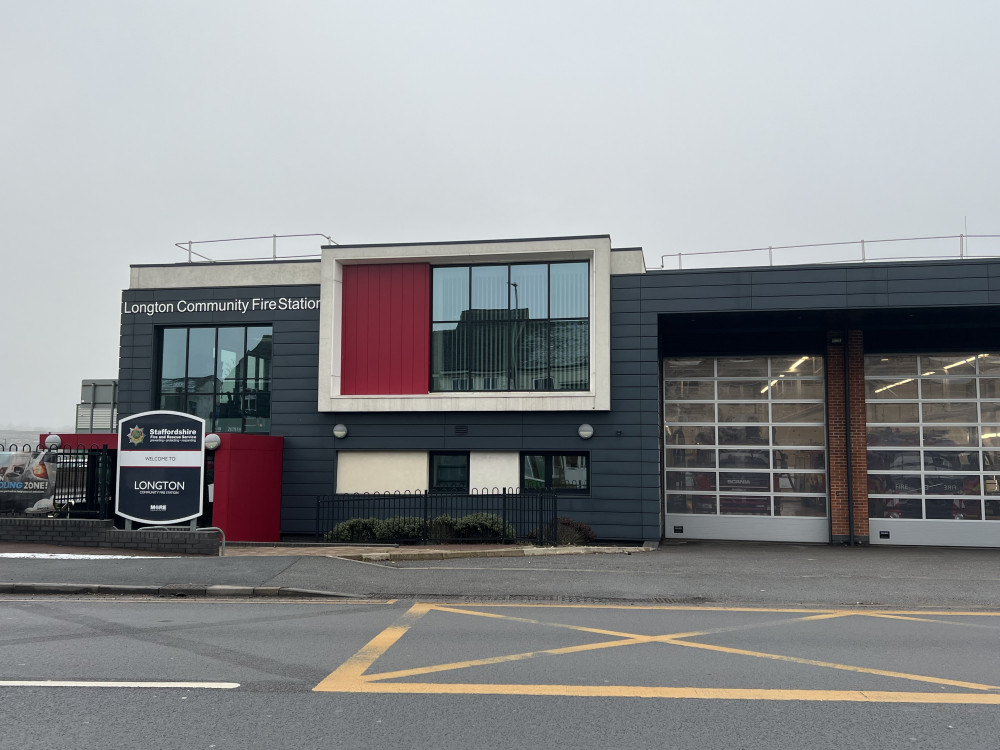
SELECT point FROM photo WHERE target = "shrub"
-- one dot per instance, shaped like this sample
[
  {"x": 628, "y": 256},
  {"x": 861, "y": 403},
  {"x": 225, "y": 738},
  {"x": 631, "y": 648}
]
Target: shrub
[
  {"x": 407, "y": 530},
  {"x": 356, "y": 530},
  {"x": 441, "y": 529},
  {"x": 483, "y": 526},
  {"x": 572, "y": 532}
]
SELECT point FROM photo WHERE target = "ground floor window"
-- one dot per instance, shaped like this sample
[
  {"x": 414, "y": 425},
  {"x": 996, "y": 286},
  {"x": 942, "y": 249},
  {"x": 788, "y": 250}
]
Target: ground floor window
[
  {"x": 933, "y": 435},
  {"x": 560, "y": 472},
  {"x": 745, "y": 436},
  {"x": 222, "y": 375},
  {"x": 449, "y": 472}
]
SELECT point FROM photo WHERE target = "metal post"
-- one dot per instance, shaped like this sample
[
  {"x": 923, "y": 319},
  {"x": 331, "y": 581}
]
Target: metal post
[
  {"x": 863, "y": 259},
  {"x": 961, "y": 246},
  {"x": 770, "y": 255},
  {"x": 189, "y": 251},
  {"x": 274, "y": 247}
]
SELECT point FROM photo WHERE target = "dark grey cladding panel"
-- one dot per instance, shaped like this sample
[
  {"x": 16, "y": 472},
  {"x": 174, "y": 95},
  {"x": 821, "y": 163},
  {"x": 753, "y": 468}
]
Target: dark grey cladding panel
[
  {"x": 361, "y": 430},
  {"x": 939, "y": 299},
  {"x": 867, "y": 286},
  {"x": 627, "y": 367},
  {"x": 810, "y": 275},
  {"x": 800, "y": 288},
  {"x": 298, "y": 336},
  {"x": 627, "y": 306},
  {"x": 867, "y": 273},
  {"x": 801, "y": 302},
  {"x": 666, "y": 279},
  {"x": 625, "y": 281},
  {"x": 280, "y": 371},
  {"x": 290, "y": 359},
  {"x": 694, "y": 292},
  {"x": 619, "y": 295},
  {"x": 957, "y": 270},
  {"x": 625, "y": 331},
  {"x": 705, "y": 304},
  {"x": 868, "y": 300},
  {"x": 944, "y": 285}
]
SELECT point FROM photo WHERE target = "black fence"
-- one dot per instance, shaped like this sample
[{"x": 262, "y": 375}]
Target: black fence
[
  {"x": 63, "y": 482},
  {"x": 412, "y": 518}
]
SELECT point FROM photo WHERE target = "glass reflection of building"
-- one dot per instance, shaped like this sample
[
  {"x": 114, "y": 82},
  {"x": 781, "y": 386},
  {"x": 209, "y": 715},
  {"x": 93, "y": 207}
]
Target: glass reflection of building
[
  {"x": 521, "y": 327},
  {"x": 222, "y": 375}
]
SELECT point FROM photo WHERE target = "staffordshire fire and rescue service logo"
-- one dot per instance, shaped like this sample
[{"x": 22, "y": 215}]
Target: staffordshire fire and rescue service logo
[{"x": 136, "y": 435}]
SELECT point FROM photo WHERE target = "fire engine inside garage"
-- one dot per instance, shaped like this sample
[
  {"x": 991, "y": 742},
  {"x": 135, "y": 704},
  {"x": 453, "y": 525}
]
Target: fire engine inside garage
[{"x": 836, "y": 403}]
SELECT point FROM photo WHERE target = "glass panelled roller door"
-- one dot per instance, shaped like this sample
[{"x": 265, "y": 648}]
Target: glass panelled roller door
[
  {"x": 745, "y": 436},
  {"x": 933, "y": 435}
]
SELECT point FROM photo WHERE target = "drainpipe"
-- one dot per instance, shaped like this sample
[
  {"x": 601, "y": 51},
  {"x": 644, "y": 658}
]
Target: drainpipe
[{"x": 847, "y": 441}]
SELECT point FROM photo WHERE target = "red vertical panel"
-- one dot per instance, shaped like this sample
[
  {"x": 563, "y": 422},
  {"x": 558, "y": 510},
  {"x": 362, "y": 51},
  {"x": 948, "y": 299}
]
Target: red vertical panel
[{"x": 385, "y": 331}]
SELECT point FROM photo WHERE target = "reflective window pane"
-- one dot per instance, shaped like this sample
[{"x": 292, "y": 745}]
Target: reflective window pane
[
  {"x": 681, "y": 434},
  {"x": 948, "y": 364},
  {"x": 688, "y": 412},
  {"x": 698, "y": 367},
  {"x": 799, "y": 435},
  {"x": 894, "y": 461},
  {"x": 955, "y": 509},
  {"x": 879, "y": 436},
  {"x": 743, "y": 390},
  {"x": 958, "y": 436},
  {"x": 569, "y": 295},
  {"x": 489, "y": 289},
  {"x": 891, "y": 364},
  {"x": 798, "y": 412},
  {"x": 892, "y": 412},
  {"x": 689, "y": 390},
  {"x": 792, "y": 366},
  {"x": 887, "y": 388},
  {"x": 745, "y": 505},
  {"x": 879, "y": 507},
  {"x": 699, "y": 504},
  {"x": 742, "y": 367},
  {"x": 690, "y": 480},
  {"x": 689, "y": 458},
  {"x": 530, "y": 290},
  {"x": 814, "y": 507},
  {"x": 745, "y": 459},
  {"x": 744, "y": 481},
  {"x": 798, "y": 483},
  {"x": 799, "y": 459},
  {"x": 948, "y": 388},
  {"x": 797, "y": 389},
  {"x": 756, "y": 413},
  {"x": 952, "y": 411},
  {"x": 951, "y": 460},
  {"x": 742, "y": 435},
  {"x": 893, "y": 484},
  {"x": 451, "y": 292}
]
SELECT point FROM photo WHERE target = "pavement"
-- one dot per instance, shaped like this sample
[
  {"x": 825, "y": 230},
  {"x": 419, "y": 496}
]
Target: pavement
[{"x": 683, "y": 573}]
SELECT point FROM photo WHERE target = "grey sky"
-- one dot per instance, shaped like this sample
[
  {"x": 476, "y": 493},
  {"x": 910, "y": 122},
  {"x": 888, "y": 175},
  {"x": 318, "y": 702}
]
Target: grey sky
[{"x": 129, "y": 126}]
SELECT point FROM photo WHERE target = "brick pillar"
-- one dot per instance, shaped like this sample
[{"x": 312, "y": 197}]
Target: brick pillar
[
  {"x": 859, "y": 433},
  {"x": 836, "y": 437},
  {"x": 839, "y": 442}
]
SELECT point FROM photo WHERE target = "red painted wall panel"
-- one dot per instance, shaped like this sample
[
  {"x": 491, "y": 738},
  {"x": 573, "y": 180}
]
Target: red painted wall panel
[{"x": 385, "y": 335}]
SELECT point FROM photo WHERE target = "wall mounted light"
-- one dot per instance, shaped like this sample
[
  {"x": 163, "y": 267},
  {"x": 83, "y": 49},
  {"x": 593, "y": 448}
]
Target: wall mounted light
[
  {"x": 212, "y": 442},
  {"x": 585, "y": 431},
  {"x": 53, "y": 441},
  {"x": 340, "y": 431}
]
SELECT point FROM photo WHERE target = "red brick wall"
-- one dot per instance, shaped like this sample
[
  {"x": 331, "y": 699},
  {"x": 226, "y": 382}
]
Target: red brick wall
[{"x": 837, "y": 436}]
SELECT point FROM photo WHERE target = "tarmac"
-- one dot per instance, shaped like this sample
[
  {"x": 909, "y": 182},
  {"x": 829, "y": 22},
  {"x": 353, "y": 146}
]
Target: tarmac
[{"x": 686, "y": 573}]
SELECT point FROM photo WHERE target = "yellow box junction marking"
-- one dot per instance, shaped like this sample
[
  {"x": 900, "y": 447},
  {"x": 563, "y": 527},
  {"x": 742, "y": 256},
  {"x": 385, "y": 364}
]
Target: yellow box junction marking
[{"x": 353, "y": 675}]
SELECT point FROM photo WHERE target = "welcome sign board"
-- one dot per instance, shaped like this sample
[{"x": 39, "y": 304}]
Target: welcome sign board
[{"x": 161, "y": 467}]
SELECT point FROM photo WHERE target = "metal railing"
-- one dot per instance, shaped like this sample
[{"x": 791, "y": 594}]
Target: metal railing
[
  {"x": 189, "y": 245},
  {"x": 83, "y": 481},
  {"x": 498, "y": 515},
  {"x": 860, "y": 251}
]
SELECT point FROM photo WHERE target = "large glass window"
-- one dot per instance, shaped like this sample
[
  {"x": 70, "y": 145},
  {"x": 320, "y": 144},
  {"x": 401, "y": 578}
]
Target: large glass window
[
  {"x": 222, "y": 375},
  {"x": 522, "y": 327},
  {"x": 933, "y": 435},
  {"x": 745, "y": 436},
  {"x": 560, "y": 472}
]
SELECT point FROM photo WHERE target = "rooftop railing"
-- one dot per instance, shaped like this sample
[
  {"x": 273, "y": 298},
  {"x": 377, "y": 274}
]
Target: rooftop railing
[
  {"x": 944, "y": 247},
  {"x": 188, "y": 247}
]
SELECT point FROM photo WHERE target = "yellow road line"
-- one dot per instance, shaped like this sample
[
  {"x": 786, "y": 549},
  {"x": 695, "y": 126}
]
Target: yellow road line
[
  {"x": 351, "y": 675},
  {"x": 642, "y": 691},
  {"x": 833, "y": 665}
]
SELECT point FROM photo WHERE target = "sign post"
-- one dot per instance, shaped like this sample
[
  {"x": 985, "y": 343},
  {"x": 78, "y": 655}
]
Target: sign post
[{"x": 161, "y": 467}]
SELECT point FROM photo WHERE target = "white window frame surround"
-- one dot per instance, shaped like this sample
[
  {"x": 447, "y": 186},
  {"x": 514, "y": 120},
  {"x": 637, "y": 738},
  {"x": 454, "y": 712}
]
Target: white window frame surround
[{"x": 595, "y": 250}]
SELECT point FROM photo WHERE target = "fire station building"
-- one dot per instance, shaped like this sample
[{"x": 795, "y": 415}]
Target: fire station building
[{"x": 846, "y": 403}]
